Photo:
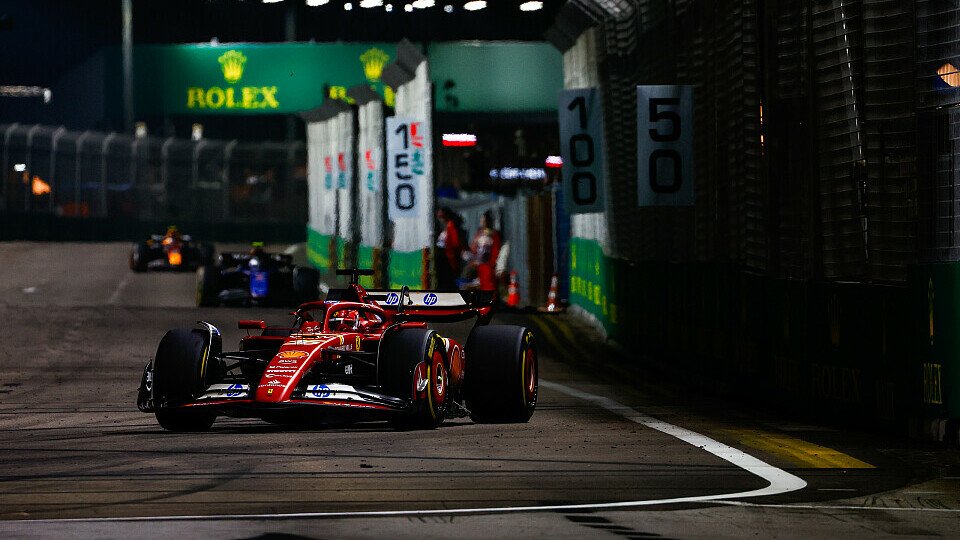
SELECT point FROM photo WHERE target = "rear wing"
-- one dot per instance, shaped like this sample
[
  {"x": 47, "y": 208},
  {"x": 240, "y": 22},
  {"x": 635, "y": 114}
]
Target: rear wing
[{"x": 435, "y": 305}]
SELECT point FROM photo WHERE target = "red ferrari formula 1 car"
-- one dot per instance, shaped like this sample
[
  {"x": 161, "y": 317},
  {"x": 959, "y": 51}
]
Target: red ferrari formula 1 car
[{"x": 362, "y": 352}]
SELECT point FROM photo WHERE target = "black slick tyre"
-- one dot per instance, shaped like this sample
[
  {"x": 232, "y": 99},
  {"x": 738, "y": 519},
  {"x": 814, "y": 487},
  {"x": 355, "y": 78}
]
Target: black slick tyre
[
  {"x": 185, "y": 364},
  {"x": 208, "y": 286},
  {"x": 413, "y": 366},
  {"x": 501, "y": 374},
  {"x": 138, "y": 257}
]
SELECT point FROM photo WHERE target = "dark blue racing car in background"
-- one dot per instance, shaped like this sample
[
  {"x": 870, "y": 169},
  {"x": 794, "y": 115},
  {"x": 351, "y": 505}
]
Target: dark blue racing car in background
[{"x": 256, "y": 278}]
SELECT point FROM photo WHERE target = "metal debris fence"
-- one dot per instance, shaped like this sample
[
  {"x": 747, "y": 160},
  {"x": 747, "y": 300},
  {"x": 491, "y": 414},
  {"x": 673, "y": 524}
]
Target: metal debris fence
[{"x": 51, "y": 170}]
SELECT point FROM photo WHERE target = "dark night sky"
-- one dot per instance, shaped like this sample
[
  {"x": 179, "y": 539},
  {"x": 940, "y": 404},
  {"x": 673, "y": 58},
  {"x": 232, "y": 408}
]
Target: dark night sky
[{"x": 42, "y": 39}]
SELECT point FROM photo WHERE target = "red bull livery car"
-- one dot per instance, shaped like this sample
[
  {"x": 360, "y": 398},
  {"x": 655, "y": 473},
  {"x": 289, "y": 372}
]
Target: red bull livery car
[{"x": 367, "y": 353}]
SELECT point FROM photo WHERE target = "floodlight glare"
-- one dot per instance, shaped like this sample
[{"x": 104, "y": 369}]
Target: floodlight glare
[
  {"x": 474, "y": 5},
  {"x": 371, "y": 3},
  {"x": 448, "y": 8},
  {"x": 421, "y": 4},
  {"x": 531, "y": 6},
  {"x": 316, "y": 3},
  {"x": 348, "y": 6},
  {"x": 389, "y": 8},
  {"x": 20, "y": 167},
  {"x": 408, "y": 8},
  {"x": 271, "y": 1}
]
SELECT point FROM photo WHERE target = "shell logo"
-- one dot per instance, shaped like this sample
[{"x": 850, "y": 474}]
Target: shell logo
[{"x": 291, "y": 354}]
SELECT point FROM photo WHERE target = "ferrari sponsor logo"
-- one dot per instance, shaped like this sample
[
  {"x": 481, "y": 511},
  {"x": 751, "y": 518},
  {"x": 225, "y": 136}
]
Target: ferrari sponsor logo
[
  {"x": 348, "y": 347},
  {"x": 358, "y": 343},
  {"x": 274, "y": 382},
  {"x": 269, "y": 391},
  {"x": 292, "y": 354},
  {"x": 287, "y": 361}
]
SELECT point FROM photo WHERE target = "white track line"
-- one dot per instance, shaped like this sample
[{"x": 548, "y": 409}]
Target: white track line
[
  {"x": 120, "y": 287},
  {"x": 780, "y": 481},
  {"x": 836, "y": 507}
]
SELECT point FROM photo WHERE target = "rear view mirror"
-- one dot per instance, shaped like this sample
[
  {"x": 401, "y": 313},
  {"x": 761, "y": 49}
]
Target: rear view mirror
[{"x": 250, "y": 324}]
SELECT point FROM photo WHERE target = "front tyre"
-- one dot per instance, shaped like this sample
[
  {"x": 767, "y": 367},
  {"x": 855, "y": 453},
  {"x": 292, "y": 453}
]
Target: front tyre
[
  {"x": 413, "y": 366},
  {"x": 185, "y": 365},
  {"x": 501, "y": 374},
  {"x": 139, "y": 256}
]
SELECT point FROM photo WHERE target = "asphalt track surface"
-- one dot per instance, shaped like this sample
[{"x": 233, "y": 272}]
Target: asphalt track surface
[{"x": 609, "y": 452}]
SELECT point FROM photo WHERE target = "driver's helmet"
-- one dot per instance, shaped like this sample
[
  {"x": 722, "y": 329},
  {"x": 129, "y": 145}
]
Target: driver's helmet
[
  {"x": 256, "y": 249},
  {"x": 172, "y": 235},
  {"x": 345, "y": 320}
]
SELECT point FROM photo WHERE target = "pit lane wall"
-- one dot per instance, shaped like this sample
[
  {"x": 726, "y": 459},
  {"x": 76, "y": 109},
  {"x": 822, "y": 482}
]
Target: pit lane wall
[{"x": 882, "y": 356}]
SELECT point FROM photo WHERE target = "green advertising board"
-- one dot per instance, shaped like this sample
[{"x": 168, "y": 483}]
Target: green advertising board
[
  {"x": 592, "y": 282},
  {"x": 495, "y": 76},
  {"x": 284, "y": 78},
  {"x": 252, "y": 78}
]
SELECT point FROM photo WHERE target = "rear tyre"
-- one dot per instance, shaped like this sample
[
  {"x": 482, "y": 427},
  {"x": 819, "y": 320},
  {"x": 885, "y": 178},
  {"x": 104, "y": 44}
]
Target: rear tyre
[
  {"x": 138, "y": 257},
  {"x": 185, "y": 365},
  {"x": 306, "y": 284},
  {"x": 413, "y": 366},
  {"x": 501, "y": 374},
  {"x": 208, "y": 286}
]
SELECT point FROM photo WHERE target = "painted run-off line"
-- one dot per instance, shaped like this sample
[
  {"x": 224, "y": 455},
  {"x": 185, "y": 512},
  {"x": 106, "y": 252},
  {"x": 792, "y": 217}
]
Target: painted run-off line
[
  {"x": 120, "y": 287},
  {"x": 780, "y": 481},
  {"x": 842, "y": 507}
]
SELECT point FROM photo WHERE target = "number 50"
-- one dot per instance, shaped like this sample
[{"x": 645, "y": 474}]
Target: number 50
[{"x": 653, "y": 162}]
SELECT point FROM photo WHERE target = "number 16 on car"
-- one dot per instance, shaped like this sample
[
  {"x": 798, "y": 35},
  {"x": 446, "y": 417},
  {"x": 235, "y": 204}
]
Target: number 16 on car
[{"x": 665, "y": 145}]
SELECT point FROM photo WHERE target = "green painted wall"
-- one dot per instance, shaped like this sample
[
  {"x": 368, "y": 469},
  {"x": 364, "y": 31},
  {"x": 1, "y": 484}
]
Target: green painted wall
[
  {"x": 405, "y": 268},
  {"x": 494, "y": 76},
  {"x": 592, "y": 284},
  {"x": 318, "y": 250},
  {"x": 365, "y": 260}
]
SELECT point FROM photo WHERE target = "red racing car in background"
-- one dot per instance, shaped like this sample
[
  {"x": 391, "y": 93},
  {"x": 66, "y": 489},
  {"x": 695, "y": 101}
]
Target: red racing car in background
[{"x": 370, "y": 353}]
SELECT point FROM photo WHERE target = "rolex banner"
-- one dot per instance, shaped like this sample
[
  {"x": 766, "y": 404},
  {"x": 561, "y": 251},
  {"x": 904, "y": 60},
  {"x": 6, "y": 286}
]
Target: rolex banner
[{"x": 281, "y": 78}]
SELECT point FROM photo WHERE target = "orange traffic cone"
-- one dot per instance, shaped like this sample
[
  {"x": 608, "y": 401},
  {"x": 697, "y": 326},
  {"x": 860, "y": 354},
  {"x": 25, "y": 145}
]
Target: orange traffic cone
[
  {"x": 552, "y": 305},
  {"x": 513, "y": 291}
]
